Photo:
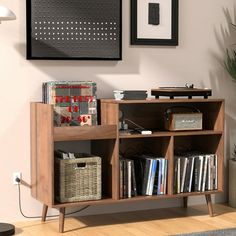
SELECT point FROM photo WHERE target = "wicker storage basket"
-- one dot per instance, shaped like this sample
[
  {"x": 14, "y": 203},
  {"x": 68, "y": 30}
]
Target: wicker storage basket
[{"x": 78, "y": 179}]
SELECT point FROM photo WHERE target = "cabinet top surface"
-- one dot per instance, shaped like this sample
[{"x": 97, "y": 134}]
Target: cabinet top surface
[{"x": 151, "y": 100}]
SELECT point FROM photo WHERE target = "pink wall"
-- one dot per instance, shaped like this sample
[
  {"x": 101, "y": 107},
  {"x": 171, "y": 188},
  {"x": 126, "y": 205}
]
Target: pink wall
[{"x": 204, "y": 34}]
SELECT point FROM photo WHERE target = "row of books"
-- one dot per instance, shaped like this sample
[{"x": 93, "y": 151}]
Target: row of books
[
  {"x": 128, "y": 187},
  {"x": 195, "y": 173},
  {"x": 143, "y": 175}
]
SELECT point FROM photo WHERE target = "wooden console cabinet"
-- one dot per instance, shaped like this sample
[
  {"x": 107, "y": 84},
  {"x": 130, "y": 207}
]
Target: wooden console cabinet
[{"x": 107, "y": 143}]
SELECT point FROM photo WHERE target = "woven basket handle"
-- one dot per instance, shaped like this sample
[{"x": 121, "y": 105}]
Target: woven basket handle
[{"x": 81, "y": 165}]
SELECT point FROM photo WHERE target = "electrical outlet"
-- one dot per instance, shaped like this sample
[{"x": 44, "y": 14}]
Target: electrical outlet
[{"x": 15, "y": 176}]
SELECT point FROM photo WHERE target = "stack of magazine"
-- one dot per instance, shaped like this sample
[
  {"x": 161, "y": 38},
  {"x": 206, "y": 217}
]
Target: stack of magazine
[
  {"x": 195, "y": 173},
  {"x": 143, "y": 175}
]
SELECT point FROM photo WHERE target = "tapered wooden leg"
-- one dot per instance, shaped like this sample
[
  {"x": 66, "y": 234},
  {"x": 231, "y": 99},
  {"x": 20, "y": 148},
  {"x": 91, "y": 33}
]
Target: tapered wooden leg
[
  {"x": 44, "y": 213},
  {"x": 185, "y": 202},
  {"x": 61, "y": 219},
  {"x": 209, "y": 204}
]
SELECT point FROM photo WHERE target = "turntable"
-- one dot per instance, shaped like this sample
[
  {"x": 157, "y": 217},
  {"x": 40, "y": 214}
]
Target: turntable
[{"x": 187, "y": 90}]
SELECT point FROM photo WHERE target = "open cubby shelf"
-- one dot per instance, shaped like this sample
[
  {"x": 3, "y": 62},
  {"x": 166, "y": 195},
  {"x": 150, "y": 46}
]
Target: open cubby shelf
[{"x": 108, "y": 143}]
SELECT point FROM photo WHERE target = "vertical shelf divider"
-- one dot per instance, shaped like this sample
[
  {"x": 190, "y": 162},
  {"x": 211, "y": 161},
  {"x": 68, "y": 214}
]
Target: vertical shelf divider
[
  {"x": 170, "y": 158},
  {"x": 220, "y": 121},
  {"x": 42, "y": 158},
  {"x": 110, "y": 116}
]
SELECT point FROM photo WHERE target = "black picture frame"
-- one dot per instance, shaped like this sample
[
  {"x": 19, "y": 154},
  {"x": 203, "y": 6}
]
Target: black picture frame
[
  {"x": 32, "y": 8},
  {"x": 173, "y": 41}
]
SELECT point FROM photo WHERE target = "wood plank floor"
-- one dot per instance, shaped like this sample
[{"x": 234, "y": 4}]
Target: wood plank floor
[{"x": 159, "y": 222}]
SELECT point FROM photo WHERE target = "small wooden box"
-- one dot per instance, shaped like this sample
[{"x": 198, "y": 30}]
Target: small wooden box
[{"x": 183, "y": 121}]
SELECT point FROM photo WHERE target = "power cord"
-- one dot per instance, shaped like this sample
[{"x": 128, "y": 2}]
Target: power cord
[
  {"x": 135, "y": 124},
  {"x": 38, "y": 217}
]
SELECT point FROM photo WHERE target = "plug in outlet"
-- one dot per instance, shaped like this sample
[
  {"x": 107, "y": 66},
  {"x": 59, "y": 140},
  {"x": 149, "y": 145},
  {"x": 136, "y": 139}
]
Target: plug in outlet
[{"x": 15, "y": 176}]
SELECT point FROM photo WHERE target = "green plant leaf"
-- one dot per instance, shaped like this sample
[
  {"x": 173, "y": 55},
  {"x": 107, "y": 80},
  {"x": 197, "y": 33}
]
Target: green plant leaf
[
  {"x": 233, "y": 25},
  {"x": 230, "y": 64}
]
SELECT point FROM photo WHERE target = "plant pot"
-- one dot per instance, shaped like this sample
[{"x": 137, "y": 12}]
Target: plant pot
[{"x": 232, "y": 183}]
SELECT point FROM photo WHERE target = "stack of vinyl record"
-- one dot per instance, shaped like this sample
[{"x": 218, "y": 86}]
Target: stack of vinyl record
[{"x": 74, "y": 102}]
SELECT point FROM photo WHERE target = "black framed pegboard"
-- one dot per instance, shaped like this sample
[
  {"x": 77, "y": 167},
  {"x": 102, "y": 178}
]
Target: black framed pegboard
[{"x": 74, "y": 29}]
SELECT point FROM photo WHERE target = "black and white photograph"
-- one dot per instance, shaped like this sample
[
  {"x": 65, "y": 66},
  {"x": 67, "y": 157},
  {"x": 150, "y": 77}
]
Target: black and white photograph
[{"x": 154, "y": 22}]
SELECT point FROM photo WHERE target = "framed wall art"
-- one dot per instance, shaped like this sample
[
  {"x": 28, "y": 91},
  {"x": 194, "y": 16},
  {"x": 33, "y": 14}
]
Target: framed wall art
[
  {"x": 74, "y": 29},
  {"x": 154, "y": 22}
]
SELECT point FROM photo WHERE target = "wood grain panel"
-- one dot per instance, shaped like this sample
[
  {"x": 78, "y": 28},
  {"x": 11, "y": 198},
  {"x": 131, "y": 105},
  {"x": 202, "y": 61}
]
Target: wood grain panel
[
  {"x": 170, "y": 157},
  {"x": 167, "y": 133},
  {"x": 220, "y": 156},
  {"x": 110, "y": 116},
  {"x": 109, "y": 113},
  {"x": 115, "y": 172},
  {"x": 44, "y": 154},
  {"x": 220, "y": 122},
  {"x": 134, "y": 199},
  {"x": 85, "y": 132},
  {"x": 173, "y": 101}
]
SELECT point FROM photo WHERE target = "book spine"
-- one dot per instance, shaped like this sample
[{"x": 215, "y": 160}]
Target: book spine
[
  {"x": 201, "y": 159},
  {"x": 175, "y": 176},
  {"x": 133, "y": 179},
  {"x": 145, "y": 178},
  {"x": 212, "y": 171},
  {"x": 162, "y": 191},
  {"x": 187, "y": 176},
  {"x": 204, "y": 174},
  {"x": 149, "y": 176},
  {"x": 121, "y": 179},
  {"x": 216, "y": 171},
  {"x": 50, "y": 93},
  {"x": 47, "y": 92},
  {"x": 139, "y": 165},
  {"x": 155, "y": 187},
  {"x": 159, "y": 178},
  {"x": 179, "y": 177},
  {"x": 191, "y": 175},
  {"x": 129, "y": 178},
  {"x": 209, "y": 173},
  {"x": 165, "y": 176},
  {"x": 153, "y": 172},
  {"x": 196, "y": 173},
  {"x": 125, "y": 177},
  {"x": 185, "y": 160}
]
